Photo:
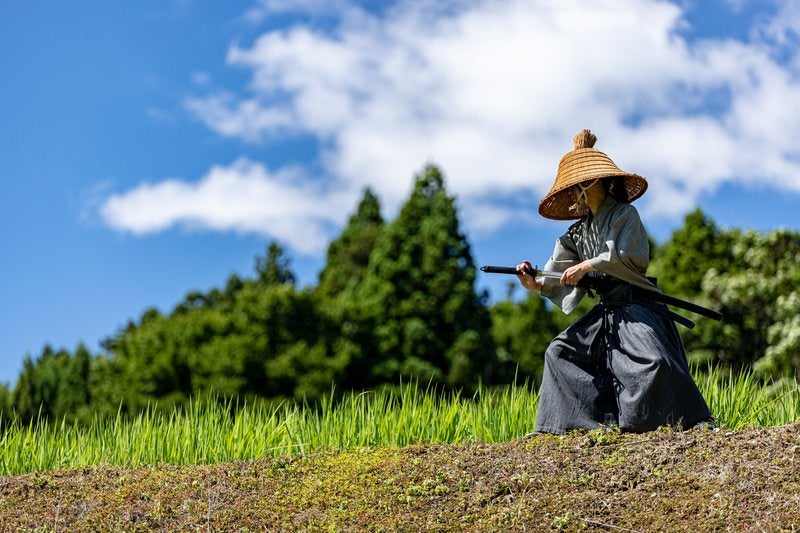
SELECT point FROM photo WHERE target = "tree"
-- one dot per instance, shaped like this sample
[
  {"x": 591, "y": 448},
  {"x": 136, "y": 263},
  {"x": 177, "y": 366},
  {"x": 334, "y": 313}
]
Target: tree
[
  {"x": 36, "y": 392},
  {"x": 693, "y": 249},
  {"x": 348, "y": 335},
  {"x": 151, "y": 358},
  {"x": 752, "y": 278},
  {"x": 258, "y": 338},
  {"x": 74, "y": 395},
  {"x": 274, "y": 269},
  {"x": 25, "y": 398},
  {"x": 521, "y": 332},
  {"x": 7, "y": 414},
  {"x": 681, "y": 266},
  {"x": 418, "y": 293},
  {"x": 759, "y": 296},
  {"x": 348, "y": 255}
]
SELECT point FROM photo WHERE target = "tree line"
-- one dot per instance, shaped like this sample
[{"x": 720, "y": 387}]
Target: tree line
[{"x": 397, "y": 301}]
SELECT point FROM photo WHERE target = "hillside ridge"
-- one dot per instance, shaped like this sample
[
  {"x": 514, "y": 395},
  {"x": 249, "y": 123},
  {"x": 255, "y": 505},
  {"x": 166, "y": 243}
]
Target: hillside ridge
[{"x": 598, "y": 480}]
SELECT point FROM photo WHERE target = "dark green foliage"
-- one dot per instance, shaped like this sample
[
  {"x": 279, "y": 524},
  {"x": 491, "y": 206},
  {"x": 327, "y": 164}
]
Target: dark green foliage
[
  {"x": 698, "y": 246},
  {"x": 74, "y": 397},
  {"x": 6, "y": 406},
  {"x": 262, "y": 343},
  {"x": 36, "y": 392},
  {"x": 521, "y": 332},
  {"x": 348, "y": 255},
  {"x": 349, "y": 334},
  {"x": 398, "y": 301},
  {"x": 274, "y": 269},
  {"x": 419, "y": 295},
  {"x": 752, "y": 278}
]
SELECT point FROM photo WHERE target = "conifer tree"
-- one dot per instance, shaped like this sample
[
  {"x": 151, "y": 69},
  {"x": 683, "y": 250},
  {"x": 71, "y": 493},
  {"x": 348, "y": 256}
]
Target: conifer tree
[
  {"x": 6, "y": 407},
  {"x": 73, "y": 389},
  {"x": 419, "y": 294},
  {"x": 24, "y": 398},
  {"x": 346, "y": 333},
  {"x": 36, "y": 392},
  {"x": 348, "y": 255},
  {"x": 274, "y": 269}
]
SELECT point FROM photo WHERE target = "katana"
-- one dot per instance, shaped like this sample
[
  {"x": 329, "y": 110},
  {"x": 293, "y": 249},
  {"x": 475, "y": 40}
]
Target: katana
[
  {"x": 602, "y": 285},
  {"x": 535, "y": 272}
]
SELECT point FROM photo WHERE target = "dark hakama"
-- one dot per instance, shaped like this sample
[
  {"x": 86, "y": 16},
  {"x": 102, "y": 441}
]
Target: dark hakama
[{"x": 623, "y": 362}]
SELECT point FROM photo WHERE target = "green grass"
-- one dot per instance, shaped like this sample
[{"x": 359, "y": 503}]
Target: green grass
[
  {"x": 207, "y": 431},
  {"x": 740, "y": 400}
]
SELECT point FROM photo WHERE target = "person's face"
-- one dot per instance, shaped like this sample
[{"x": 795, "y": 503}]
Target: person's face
[{"x": 582, "y": 192}]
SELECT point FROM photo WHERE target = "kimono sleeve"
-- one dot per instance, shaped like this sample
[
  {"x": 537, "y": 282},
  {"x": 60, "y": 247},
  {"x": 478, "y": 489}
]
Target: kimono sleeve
[{"x": 565, "y": 255}]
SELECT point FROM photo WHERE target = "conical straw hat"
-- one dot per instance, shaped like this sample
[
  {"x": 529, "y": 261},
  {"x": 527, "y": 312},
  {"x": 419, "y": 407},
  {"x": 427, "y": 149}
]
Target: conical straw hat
[{"x": 584, "y": 164}]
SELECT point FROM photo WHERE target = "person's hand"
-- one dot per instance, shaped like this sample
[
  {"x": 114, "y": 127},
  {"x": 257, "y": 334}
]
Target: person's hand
[
  {"x": 574, "y": 274},
  {"x": 525, "y": 278}
]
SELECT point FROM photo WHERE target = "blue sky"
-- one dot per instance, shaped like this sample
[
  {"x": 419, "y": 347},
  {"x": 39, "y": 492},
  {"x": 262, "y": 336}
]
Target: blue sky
[{"x": 152, "y": 148}]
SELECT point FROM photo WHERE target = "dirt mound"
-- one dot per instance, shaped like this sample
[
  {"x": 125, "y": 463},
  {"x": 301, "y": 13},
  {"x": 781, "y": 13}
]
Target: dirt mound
[{"x": 597, "y": 480}]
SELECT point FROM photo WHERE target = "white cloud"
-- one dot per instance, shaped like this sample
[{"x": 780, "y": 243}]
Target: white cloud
[
  {"x": 494, "y": 91},
  {"x": 784, "y": 28},
  {"x": 245, "y": 119},
  {"x": 242, "y": 197}
]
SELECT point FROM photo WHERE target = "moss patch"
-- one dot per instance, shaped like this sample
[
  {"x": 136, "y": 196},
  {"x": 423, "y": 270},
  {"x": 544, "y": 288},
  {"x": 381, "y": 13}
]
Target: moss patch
[{"x": 664, "y": 480}]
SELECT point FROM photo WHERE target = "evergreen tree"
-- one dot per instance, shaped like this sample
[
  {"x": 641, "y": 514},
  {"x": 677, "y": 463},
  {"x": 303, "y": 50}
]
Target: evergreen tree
[
  {"x": 348, "y": 336},
  {"x": 36, "y": 392},
  {"x": 106, "y": 392},
  {"x": 73, "y": 397},
  {"x": 348, "y": 255},
  {"x": 7, "y": 414},
  {"x": 151, "y": 358},
  {"x": 25, "y": 397},
  {"x": 257, "y": 338},
  {"x": 274, "y": 269},
  {"x": 419, "y": 295},
  {"x": 521, "y": 332}
]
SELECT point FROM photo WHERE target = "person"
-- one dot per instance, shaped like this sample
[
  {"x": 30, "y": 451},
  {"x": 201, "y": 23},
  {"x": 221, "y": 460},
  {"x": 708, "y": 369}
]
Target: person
[{"x": 623, "y": 363}]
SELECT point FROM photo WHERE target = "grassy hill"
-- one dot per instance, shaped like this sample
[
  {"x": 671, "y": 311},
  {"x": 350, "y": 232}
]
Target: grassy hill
[{"x": 601, "y": 480}]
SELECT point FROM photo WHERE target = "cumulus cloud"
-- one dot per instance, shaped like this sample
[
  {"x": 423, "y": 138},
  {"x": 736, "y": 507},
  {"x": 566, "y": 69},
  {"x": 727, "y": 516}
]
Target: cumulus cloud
[
  {"x": 245, "y": 119},
  {"x": 494, "y": 91},
  {"x": 243, "y": 196}
]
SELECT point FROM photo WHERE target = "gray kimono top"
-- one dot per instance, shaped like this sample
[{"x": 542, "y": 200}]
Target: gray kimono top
[{"x": 615, "y": 242}]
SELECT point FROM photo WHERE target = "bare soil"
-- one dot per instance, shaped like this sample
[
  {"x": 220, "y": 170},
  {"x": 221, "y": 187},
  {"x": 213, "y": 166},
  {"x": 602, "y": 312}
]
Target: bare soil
[{"x": 703, "y": 480}]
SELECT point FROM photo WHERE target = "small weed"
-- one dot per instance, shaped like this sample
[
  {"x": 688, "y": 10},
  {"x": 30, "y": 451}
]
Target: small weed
[
  {"x": 415, "y": 491},
  {"x": 41, "y": 482},
  {"x": 617, "y": 458},
  {"x": 660, "y": 471},
  {"x": 605, "y": 435},
  {"x": 561, "y": 522},
  {"x": 584, "y": 479},
  {"x": 441, "y": 490}
]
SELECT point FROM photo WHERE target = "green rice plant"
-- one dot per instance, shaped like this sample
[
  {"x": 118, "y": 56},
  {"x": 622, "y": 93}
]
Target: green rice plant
[
  {"x": 741, "y": 400},
  {"x": 212, "y": 430}
]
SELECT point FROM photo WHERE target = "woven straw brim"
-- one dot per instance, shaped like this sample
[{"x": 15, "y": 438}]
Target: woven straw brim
[{"x": 580, "y": 166}]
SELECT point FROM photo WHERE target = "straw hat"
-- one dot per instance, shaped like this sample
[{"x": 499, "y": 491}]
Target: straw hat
[{"x": 584, "y": 164}]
